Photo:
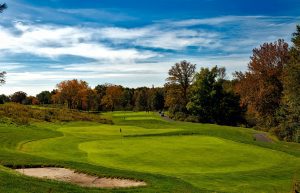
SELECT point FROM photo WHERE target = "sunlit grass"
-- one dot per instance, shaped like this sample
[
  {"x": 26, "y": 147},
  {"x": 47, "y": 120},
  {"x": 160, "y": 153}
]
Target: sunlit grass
[{"x": 170, "y": 156}]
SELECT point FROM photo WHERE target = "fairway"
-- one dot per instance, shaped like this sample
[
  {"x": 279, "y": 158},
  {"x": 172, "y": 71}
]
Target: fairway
[{"x": 194, "y": 157}]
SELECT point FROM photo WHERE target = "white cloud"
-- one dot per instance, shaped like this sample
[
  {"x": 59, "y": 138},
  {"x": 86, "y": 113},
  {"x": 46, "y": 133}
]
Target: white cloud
[
  {"x": 11, "y": 66},
  {"x": 125, "y": 33},
  {"x": 55, "y": 41},
  {"x": 224, "y": 20},
  {"x": 157, "y": 36}
]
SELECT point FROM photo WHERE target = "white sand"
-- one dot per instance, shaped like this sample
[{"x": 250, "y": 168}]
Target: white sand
[{"x": 67, "y": 175}]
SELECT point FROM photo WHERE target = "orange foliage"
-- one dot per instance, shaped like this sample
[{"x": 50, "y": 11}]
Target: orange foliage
[
  {"x": 261, "y": 86},
  {"x": 74, "y": 93}
]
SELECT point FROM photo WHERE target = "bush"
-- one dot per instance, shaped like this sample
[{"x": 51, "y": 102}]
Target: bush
[
  {"x": 180, "y": 116},
  {"x": 192, "y": 118}
]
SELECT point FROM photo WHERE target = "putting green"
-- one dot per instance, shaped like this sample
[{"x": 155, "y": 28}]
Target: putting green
[{"x": 180, "y": 154}]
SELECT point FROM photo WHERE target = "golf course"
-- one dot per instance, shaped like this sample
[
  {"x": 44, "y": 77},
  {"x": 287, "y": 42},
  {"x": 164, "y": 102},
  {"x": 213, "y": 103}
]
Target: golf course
[{"x": 169, "y": 156}]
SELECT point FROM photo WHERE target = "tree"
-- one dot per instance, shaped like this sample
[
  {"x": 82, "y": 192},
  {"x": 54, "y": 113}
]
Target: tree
[
  {"x": 2, "y": 7},
  {"x": 173, "y": 99},
  {"x": 261, "y": 86},
  {"x": 100, "y": 91},
  {"x": 4, "y": 99},
  {"x": 292, "y": 76},
  {"x": 182, "y": 74},
  {"x": 210, "y": 102},
  {"x": 18, "y": 97},
  {"x": 127, "y": 100},
  {"x": 113, "y": 97},
  {"x": 2, "y": 74},
  {"x": 141, "y": 99},
  {"x": 157, "y": 99},
  {"x": 2, "y": 77},
  {"x": 44, "y": 97},
  {"x": 91, "y": 102},
  {"x": 73, "y": 93},
  {"x": 289, "y": 114},
  {"x": 31, "y": 100}
]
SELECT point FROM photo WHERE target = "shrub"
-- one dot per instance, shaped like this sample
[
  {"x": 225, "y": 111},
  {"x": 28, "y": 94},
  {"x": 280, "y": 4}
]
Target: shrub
[
  {"x": 192, "y": 118},
  {"x": 180, "y": 116}
]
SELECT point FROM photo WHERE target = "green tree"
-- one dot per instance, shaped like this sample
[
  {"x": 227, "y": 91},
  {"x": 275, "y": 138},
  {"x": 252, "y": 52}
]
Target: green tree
[
  {"x": 18, "y": 97},
  {"x": 210, "y": 102},
  {"x": 141, "y": 99},
  {"x": 127, "y": 100},
  {"x": 158, "y": 99},
  {"x": 44, "y": 97},
  {"x": 2, "y": 77},
  {"x": 289, "y": 114},
  {"x": 4, "y": 99}
]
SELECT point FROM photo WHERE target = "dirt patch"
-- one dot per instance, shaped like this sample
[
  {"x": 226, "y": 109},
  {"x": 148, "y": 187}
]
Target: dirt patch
[
  {"x": 67, "y": 175},
  {"x": 165, "y": 117},
  {"x": 262, "y": 137}
]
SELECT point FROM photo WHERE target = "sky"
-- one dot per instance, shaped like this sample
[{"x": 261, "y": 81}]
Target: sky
[{"x": 132, "y": 43}]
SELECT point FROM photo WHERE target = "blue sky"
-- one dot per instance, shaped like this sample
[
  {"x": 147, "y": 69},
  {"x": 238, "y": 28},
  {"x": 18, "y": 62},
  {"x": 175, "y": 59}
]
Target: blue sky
[{"x": 132, "y": 42}]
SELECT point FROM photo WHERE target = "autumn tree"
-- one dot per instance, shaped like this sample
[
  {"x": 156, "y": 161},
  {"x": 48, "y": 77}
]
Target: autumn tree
[
  {"x": 261, "y": 86},
  {"x": 173, "y": 98},
  {"x": 73, "y": 93},
  {"x": 31, "y": 100},
  {"x": 113, "y": 97}
]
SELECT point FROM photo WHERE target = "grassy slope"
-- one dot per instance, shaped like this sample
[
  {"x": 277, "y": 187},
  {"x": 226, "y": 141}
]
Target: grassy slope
[{"x": 170, "y": 156}]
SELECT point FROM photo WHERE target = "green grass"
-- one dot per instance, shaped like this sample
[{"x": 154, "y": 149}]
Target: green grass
[{"x": 169, "y": 156}]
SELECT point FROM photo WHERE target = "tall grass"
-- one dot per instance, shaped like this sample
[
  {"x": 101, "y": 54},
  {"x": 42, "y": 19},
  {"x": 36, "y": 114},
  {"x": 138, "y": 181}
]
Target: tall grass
[{"x": 23, "y": 115}]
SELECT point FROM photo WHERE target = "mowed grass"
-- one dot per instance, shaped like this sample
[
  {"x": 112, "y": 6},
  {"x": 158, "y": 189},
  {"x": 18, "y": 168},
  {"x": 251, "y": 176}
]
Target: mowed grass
[{"x": 170, "y": 156}]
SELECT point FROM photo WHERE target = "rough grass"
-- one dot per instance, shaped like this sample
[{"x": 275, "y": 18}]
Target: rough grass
[
  {"x": 24, "y": 115},
  {"x": 169, "y": 156}
]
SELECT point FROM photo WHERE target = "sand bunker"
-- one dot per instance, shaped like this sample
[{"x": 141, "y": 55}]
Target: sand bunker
[{"x": 67, "y": 175}]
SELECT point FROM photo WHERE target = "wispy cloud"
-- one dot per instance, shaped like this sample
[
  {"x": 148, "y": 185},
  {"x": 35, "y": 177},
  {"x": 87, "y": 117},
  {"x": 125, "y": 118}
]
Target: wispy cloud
[
  {"x": 158, "y": 36},
  {"x": 55, "y": 41}
]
